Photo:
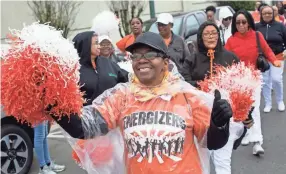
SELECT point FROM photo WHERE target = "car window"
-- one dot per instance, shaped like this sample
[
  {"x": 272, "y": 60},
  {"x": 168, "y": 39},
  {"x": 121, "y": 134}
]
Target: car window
[
  {"x": 176, "y": 27},
  {"x": 154, "y": 28},
  {"x": 201, "y": 17},
  {"x": 192, "y": 23}
]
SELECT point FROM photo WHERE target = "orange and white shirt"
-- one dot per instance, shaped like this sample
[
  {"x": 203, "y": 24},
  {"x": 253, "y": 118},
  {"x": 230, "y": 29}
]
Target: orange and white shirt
[{"x": 158, "y": 133}]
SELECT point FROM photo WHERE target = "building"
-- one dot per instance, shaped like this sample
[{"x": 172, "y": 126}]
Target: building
[{"x": 15, "y": 13}]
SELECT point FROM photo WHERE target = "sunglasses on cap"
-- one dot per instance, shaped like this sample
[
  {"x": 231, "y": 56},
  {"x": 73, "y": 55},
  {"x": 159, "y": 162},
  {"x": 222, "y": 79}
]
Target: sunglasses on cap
[
  {"x": 243, "y": 22},
  {"x": 228, "y": 18},
  {"x": 149, "y": 55}
]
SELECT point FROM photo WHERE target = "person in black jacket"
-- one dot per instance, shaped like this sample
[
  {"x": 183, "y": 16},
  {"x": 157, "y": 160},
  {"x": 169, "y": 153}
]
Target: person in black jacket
[
  {"x": 119, "y": 107},
  {"x": 177, "y": 48},
  {"x": 97, "y": 73},
  {"x": 196, "y": 68},
  {"x": 275, "y": 35}
]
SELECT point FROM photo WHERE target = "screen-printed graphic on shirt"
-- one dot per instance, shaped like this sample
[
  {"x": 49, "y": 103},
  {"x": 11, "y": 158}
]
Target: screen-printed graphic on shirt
[{"x": 153, "y": 135}]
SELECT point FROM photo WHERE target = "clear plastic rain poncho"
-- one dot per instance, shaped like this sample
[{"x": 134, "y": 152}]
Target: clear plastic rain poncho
[{"x": 151, "y": 130}]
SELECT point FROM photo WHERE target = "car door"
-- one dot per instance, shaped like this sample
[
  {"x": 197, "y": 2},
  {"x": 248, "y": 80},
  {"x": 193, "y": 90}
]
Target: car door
[{"x": 191, "y": 27}]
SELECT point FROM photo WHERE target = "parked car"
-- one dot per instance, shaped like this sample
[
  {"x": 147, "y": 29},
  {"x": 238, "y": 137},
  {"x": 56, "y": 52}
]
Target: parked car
[
  {"x": 17, "y": 142},
  {"x": 16, "y": 145},
  {"x": 186, "y": 25}
]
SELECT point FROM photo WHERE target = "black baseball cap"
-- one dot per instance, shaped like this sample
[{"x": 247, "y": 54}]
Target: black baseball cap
[{"x": 153, "y": 40}]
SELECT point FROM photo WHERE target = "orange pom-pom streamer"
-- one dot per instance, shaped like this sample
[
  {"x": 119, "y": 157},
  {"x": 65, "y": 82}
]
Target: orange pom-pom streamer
[
  {"x": 239, "y": 83},
  {"x": 32, "y": 80}
]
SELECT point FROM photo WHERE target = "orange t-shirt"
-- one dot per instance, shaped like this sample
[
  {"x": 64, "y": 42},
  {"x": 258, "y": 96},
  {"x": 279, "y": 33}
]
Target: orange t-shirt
[
  {"x": 158, "y": 134},
  {"x": 125, "y": 42},
  {"x": 167, "y": 41},
  {"x": 256, "y": 16}
]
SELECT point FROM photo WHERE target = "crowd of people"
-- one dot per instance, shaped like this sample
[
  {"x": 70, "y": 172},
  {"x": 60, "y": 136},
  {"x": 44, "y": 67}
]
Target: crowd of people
[{"x": 109, "y": 90}]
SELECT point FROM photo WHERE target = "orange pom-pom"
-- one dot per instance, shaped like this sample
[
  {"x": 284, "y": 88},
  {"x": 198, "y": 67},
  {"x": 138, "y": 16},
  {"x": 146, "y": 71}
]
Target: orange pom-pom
[
  {"x": 31, "y": 80},
  {"x": 238, "y": 83},
  {"x": 241, "y": 104}
]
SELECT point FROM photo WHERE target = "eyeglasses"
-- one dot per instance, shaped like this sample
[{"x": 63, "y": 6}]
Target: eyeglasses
[
  {"x": 105, "y": 45},
  {"x": 208, "y": 35},
  {"x": 228, "y": 18},
  {"x": 243, "y": 22},
  {"x": 95, "y": 43},
  {"x": 268, "y": 13},
  {"x": 149, "y": 55}
]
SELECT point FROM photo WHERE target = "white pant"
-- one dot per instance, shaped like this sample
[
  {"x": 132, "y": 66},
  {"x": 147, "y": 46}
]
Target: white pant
[
  {"x": 254, "y": 134},
  {"x": 222, "y": 157},
  {"x": 273, "y": 78}
]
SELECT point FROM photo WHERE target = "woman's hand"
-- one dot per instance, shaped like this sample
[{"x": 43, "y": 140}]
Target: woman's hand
[
  {"x": 248, "y": 123},
  {"x": 277, "y": 63}
]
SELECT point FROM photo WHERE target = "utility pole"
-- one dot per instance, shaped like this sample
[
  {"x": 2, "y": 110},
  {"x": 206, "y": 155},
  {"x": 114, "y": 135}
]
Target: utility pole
[{"x": 152, "y": 8}]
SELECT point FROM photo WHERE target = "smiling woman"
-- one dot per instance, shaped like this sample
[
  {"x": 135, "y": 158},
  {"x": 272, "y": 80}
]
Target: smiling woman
[
  {"x": 199, "y": 64},
  {"x": 160, "y": 116}
]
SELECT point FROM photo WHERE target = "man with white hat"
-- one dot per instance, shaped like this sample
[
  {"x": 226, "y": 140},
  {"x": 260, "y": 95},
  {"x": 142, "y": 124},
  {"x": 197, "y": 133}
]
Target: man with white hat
[
  {"x": 225, "y": 17},
  {"x": 177, "y": 49}
]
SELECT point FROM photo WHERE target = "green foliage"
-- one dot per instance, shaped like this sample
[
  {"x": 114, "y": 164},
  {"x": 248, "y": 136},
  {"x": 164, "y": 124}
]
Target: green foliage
[{"x": 237, "y": 5}]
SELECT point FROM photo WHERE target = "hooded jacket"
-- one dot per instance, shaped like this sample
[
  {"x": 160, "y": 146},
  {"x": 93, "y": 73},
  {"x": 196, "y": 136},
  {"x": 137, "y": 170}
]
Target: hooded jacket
[
  {"x": 274, "y": 33},
  {"x": 225, "y": 32},
  {"x": 197, "y": 66},
  {"x": 95, "y": 81}
]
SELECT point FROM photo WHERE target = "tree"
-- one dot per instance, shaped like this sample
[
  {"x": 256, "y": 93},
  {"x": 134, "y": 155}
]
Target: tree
[
  {"x": 237, "y": 5},
  {"x": 126, "y": 10},
  {"x": 59, "y": 14}
]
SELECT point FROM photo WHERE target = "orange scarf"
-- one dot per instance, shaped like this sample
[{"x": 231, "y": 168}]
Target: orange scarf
[{"x": 144, "y": 93}]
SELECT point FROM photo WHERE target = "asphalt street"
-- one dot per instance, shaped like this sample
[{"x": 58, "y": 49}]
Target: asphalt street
[{"x": 243, "y": 162}]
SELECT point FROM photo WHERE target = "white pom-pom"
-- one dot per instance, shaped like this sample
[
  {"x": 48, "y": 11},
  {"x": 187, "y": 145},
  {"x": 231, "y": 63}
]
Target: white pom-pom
[
  {"x": 127, "y": 66},
  {"x": 105, "y": 23},
  {"x": 50, "y": 41}
]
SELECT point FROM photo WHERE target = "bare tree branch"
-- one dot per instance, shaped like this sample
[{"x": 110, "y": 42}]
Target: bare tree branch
[
  {"x": 126, "y": 10},
  {"x": 59, "y": 14}
]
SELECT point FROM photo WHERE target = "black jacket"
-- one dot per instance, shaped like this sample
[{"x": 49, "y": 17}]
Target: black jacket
[
  {"x": 197, "y": 66},
  {"x": 95, "y": 81},
  {"x": 274, "y": 33},
  {"x": 178, "y": 50}
]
